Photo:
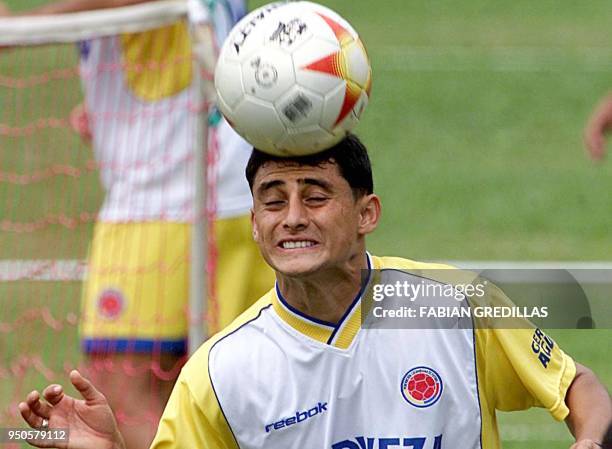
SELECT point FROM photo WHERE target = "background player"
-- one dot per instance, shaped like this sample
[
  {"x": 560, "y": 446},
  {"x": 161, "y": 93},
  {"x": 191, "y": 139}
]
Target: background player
[
  {"x": 599, "y": 123},
  {"x": 310, "y": 219},
  {"x": 134, "y": 323}
]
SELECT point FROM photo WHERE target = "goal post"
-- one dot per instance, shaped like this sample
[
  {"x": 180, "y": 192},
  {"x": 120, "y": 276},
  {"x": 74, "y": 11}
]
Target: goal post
[
  {"x": 75, "y": 27},
  {"x": 52, "y": 182}
]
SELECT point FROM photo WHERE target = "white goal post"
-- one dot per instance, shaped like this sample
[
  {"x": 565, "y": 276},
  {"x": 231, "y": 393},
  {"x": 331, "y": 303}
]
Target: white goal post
[{"x": 66, "y": 28}]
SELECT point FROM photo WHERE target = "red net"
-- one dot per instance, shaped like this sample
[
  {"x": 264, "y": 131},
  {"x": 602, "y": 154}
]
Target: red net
[{"x": 124, "y": 158}]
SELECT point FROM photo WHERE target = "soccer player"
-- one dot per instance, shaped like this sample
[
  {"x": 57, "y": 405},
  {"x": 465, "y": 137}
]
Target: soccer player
[
  {"x": 134, "y": 323},
  {"x": 296, "y": 370},
  {"x": 599, "y": 123}
]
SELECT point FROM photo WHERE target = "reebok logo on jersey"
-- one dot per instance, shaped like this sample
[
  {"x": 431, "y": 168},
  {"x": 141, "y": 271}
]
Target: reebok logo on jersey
[{"x": 298, "y": 418}]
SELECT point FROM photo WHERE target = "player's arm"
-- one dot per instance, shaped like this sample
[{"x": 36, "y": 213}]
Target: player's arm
[
  {"x": 599, "y": 122},
  {"x": 193, "y": 420},
  {"x": 69, "y": 6},
  {"x": 590, "y": 409}
]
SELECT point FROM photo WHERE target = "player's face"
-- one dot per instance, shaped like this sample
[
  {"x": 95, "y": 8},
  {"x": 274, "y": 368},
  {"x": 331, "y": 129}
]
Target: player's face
[{"x": 306, "y": 219}]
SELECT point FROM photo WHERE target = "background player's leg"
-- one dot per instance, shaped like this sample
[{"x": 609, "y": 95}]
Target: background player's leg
[
  {"x": 137, "y": 387},
  {"x": 133, "y": 322}
]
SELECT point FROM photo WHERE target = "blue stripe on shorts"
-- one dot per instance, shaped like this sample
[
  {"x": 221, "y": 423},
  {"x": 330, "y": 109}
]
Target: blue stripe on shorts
[{"x": 98, "y": 345}]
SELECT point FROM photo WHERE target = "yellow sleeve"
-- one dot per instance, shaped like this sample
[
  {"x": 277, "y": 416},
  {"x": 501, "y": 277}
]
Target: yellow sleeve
[
  {"x": 193, "y": 417},
  {"x": 522, "y": 367}
]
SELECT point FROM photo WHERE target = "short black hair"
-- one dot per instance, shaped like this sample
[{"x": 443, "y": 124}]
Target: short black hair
[{"x": 350, "y": 155}]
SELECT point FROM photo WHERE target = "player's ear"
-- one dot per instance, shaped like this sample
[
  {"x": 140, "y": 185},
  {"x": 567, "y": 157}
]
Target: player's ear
[
  {"x": 254, "y": 227},
  {"x": 369, "y": 215}
]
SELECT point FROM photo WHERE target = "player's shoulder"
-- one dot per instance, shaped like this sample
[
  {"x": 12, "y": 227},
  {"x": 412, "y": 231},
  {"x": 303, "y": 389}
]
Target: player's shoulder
[
  {"x": 201, "y": 376},
  {"x": 234, "y": 331},
  {"x": 433, "y": 271},
  {"x": 400, "y": 263}
]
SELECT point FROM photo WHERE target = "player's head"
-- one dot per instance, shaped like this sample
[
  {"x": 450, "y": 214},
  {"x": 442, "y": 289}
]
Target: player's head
[
  {"x": 312, "y": 213},
  {"x": 350, "y": 155}
]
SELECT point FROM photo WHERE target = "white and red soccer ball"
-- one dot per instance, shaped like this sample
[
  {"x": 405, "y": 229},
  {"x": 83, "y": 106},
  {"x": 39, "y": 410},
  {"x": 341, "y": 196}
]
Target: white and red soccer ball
[{"x": 293, "y": 78}]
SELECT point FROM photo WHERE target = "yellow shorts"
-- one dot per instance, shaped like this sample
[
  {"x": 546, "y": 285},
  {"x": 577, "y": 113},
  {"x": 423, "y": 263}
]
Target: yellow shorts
[{"x": 135, "y": 297}]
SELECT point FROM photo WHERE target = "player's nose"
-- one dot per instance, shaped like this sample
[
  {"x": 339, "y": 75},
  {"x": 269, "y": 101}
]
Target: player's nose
[{"x": 296, "y": 217}]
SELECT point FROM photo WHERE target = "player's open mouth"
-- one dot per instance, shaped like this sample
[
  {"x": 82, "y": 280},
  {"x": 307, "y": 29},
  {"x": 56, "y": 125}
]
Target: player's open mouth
[{"x": 295, "y": 244}]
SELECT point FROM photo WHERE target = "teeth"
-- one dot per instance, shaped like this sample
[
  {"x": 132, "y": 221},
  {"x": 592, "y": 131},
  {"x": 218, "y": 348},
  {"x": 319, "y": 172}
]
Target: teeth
[{"x": 301, "y": 244}]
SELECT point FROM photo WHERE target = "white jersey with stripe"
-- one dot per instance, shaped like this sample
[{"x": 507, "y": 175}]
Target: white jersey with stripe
[
  {"x": 144, "y": 123},
  {"x": 279, "y": 379}
]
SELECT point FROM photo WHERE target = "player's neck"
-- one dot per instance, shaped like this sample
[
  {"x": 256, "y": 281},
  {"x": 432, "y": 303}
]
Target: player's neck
[{"x": 327, "y": 295}]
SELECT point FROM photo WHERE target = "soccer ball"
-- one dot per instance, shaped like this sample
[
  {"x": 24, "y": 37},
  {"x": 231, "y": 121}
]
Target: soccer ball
[{"x": 293, "y": 78}]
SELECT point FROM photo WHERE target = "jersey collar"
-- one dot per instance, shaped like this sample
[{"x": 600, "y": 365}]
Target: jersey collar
[{"x": 339, "y": 335}]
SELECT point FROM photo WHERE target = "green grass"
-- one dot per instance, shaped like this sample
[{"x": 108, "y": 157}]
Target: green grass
[
  {"x": 475, "y": 127},
  {"x": 41, "y": 343},
  {"x": 45, "y": 107},
  {"x": 475, "y": 132}
]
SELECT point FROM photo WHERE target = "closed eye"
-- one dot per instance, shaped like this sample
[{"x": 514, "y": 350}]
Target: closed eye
[
  {"x": 274, "y": 203},
  {"x": 316, "y": 199}
]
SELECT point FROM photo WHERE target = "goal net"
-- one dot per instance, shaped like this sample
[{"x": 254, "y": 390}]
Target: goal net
[{"x": 91, "y": 101}]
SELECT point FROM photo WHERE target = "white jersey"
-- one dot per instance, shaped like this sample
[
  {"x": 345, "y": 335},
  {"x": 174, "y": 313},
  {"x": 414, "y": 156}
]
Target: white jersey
[
  {"x": 233, "y": 193},
  {"x": 142, "y": 105},
  {"x": 279, "y": 379}
]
